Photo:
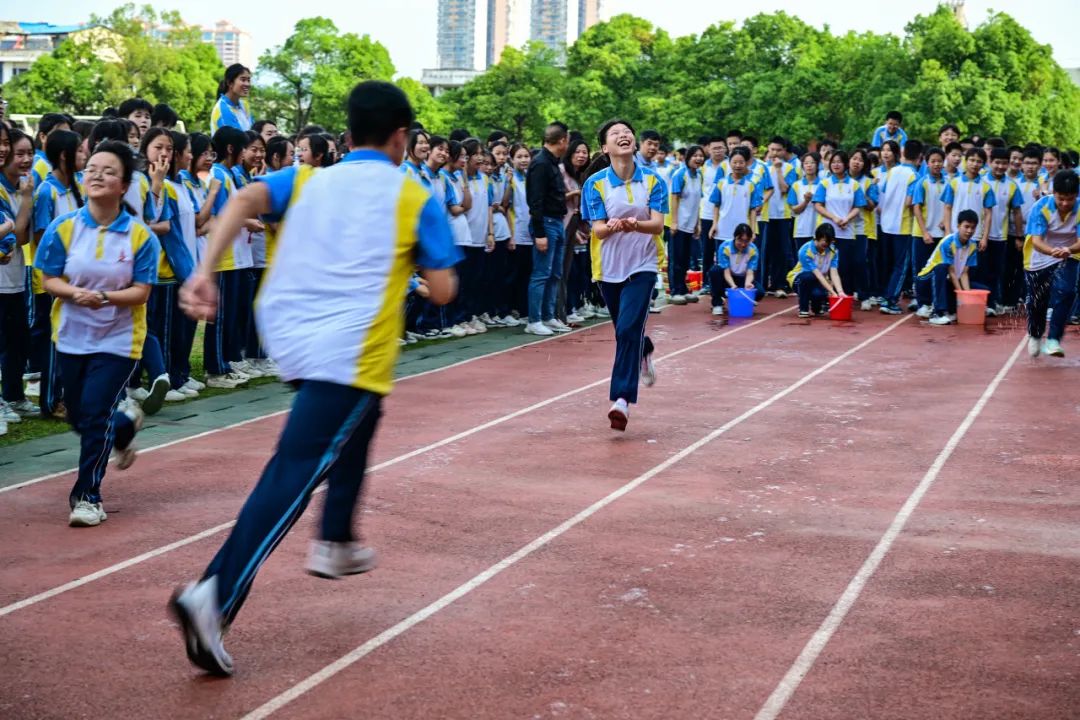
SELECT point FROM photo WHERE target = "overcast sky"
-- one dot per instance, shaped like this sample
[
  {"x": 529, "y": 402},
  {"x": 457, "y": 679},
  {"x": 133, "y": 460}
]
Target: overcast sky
[{"x": 408, "y": 30}]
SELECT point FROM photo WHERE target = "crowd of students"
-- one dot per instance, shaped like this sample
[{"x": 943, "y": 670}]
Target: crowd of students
[{"x": 885, "y": 220}]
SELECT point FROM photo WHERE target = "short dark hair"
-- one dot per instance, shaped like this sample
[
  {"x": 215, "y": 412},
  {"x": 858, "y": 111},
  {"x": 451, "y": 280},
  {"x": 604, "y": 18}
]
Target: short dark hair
[
  {"x": 1033, "y": 154},
  {"x": 953, "y": 146},
  {"x": 164, "y": 116},
  {"x": 894, "y": 115},
  {"x": 913, "y": 149},
  {"x": 133, "y": 105},
  {"x": 733, "y": 133},
  {"x": 742, "y": 230},
  {"x": 825, "y": 231},
  {"x": 1000, "y": 153},
  {"x": 650, "y": 135},
  {"x": 828, "y": 141},
  {"x": 1067, "y": 182},
  {"x": 48, "y": 122},
  {"x": 377, "y": 109},
  {"x": 778, "y": 140},
  {"x": 742, "y": 152},
  {"x": 226, "y": 137},
  {"x": 949, "y": 126},
  {"x": 935, "y": 151},
  {"x": 497, "y": 135},
  {"x": 555, "y": 132},
  {"x": 996, "y": 142},
  {"x": 122, "y": 153},
  {"x": 459, "y": 135},
  {"x": 750, "y": 139},
  {"x": 107, "y": 130},
  {"x": 967, "y": 216},
  {"x": 976, "y": 152},
  {"x": 606, "y": 127},
  {"x": 258, "y": 125},
  {"x": 310, "y": 130}
]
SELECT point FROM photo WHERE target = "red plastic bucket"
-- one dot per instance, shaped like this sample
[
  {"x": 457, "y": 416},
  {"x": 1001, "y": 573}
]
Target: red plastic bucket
[
  {"x": 840, "y": 307},
  {"x": 971, "y": 306},
  {"x": 693, "y": 280}
]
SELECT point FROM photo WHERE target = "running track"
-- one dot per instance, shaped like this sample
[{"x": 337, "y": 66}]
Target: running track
[{"x": 803, "y": 521}]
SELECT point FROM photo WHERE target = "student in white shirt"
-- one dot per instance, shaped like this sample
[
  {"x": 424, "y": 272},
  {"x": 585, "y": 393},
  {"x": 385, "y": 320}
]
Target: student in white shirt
[
  {"x": 896, "y": 192},
  {"x": 686, "y": 191},
  {"x": 928, "y": 211},
  {"x": 521, "y": 249},
  {"x": 839, "y": 200},
  {"x": 1030, "y": 193},
  {"x": 711, "y": 172},
  {"x": 99, "y": 263},
  {"x": 17, "y": 200},
  {"x": 801, "y": 199},
  {"x": 335, "y": 336}
]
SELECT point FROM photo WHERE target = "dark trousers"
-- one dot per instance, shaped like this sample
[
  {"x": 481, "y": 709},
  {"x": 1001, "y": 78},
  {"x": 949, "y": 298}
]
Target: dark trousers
[
  {"x": 326, "y": 438},
  {"x": 93, "y": 387},
  {"x": 920, "y": 255},
  {"x": 155, "y": 350},
  {"x": 938, "y": 285},
  {"x": 1054, "y": 288},
  {"x": 470, "y": 284},
  {"x": 253, "y": 349},
  {"x": 708, "y": 245},
  {"x": 812, "y": 295},
  {"x": 496, "y": 299},
  {"x": 14, "y": 344},
  {"x": 991, "y": 270},
  {"x": 679, "y": 262},
  {"x": 1013, "y": 281},
  {"x": 883, "y": 261},
  {"x": 628, "y": 302},
  {"x": 779, "y": 255},
  {"x": 38, "y": 317},
  {"x": 901, "y": 262},
  {"x": 577, "y": 284},
  {"x": 863, "y": 269},
  {"x": 222, "y": 341},
  {"x": 518, "y": 273},
  {"x": 720, "y": 286}
]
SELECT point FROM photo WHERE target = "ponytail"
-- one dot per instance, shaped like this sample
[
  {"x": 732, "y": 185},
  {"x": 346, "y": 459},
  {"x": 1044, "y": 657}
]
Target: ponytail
[{"x": 231, "y": 73}]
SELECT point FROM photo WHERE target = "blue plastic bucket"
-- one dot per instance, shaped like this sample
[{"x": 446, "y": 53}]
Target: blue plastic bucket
[{"x": 740, "y": 303}]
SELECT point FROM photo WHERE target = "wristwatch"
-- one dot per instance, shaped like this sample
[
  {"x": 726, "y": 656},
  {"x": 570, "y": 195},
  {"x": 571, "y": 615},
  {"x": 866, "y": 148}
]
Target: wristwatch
[{"x": 104, "y": 297}]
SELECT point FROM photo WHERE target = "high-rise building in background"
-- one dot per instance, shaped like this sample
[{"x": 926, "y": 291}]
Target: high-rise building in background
[
  {"x": 456, "y": 34},
  {"x": 588, "y": 15},
  {"x": 233, "y": 45},
  {"x": 558, "y": 23}
]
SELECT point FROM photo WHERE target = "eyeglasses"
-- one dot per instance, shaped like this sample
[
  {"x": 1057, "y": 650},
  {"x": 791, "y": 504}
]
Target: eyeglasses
[
  {"x": 210, "y": 155},
  {"x": 104, "y": 172}
]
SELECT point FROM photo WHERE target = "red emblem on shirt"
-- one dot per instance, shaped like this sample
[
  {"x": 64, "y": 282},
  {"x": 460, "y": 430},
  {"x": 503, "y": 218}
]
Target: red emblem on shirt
[{"x": 122, "y": 257}]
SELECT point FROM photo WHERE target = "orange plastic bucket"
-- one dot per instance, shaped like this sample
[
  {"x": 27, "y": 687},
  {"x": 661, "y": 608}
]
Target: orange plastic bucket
[
  {"x": 840, "y": 307},
  {"x": 971, "y": 307}
]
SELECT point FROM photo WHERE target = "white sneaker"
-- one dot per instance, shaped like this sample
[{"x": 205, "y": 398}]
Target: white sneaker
[
  {"x": 952, "y": 317},
  {"x": 245, "y": 367},
  {"x": 151, "y": 404},
  {"x": 195, "y": 608},
  {"x": 187, "y": 392},
  {"x": 538, "y": 328},
  {"x": 31, "y": 377},
  {"x": 334, "y": 559},
  {"x": 3, "y": 427},
  {"x": 224, "y": 382},
  {"x": 999, "y": 309},
  {"x": 87, "y": 514},
  {"x": 941, "y": 320},
  {"x": 458, "y": 331},
  {"x": 138, "y": 394},
  {"x": 1053, "y": 348},
  {"x": 678, "y": 300},
  {"x": 924, "y": 311},
  {"x": 557, "y": 325},
  {"x": 195, "y": 384},
  {"x": 1034, "y": 346},
  {"x": 33, "y": 389},
  {"x": 25, "y": 407},
  {"x": 619, "y": 415},
  {"x": 574, "y": 318},
  {"x": 718, "y": 310},
  {"x": 603, "y": 312},
  {"x": 511, "y": 321},
  {"x": 176, "y": 396},
  {"x": 991, "y": 312},
  {"x": 693, "y": 298},
  {"x": 781, "y": 294},
  {"x": 478, "y": 325},
  {"x": 866, "y": 305},
  {"x": 648, "y": 371},
  {"x": 8, "y": 414},
  {"x": 470, "y": 329},
  {"x": 587, "y": 312},
  {"x": 413, "y": 337},
  {"x": 487, "y": 320}
]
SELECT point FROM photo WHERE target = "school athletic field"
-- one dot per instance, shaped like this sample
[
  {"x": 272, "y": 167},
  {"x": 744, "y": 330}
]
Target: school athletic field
[{"x": 803, "y": 520}]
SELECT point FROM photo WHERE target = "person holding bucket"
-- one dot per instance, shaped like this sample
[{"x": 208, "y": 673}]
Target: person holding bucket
[
  {"x": 808, "y": 277},
  {"x": 946, "y": 272},
  {"x": 736, "y": 268}
]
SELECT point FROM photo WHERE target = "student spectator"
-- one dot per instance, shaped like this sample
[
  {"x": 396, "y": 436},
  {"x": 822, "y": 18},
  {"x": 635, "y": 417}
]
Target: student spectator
[{"x": 947, "y": 271}]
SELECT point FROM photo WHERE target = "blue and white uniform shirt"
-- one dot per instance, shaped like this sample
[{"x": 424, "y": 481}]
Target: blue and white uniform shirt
[{"x": 606, "y": 196}]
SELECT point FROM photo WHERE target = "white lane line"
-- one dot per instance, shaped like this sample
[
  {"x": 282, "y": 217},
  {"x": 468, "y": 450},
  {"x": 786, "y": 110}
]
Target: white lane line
[
  {"x": 389, "y": 634},
  {"x": 790, "y": 682},
  {"x": 150, "y": 554},
  {"x": 162, "y": 446}
]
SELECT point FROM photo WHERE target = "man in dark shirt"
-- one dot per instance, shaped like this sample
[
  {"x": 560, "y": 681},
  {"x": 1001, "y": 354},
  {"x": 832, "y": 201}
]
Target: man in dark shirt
[{"x": 546, "y": 192}]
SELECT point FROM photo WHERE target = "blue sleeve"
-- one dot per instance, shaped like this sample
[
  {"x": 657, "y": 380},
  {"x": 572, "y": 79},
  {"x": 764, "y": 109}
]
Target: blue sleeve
[
  {"x": 723, "y": 257},
  {"x": 792, "y": 198},
  {"x": 658, "y": 196},
  {"x": 806, "y": 256},
  {"x": 715, "y": 197},
  {"x": 753, "y": 263},
  {"x": 146, "y": 261},
  {"x": 1017, "y": 198},
  {"x": 918, "y": 197},
  {"x": 903, "y": 138},
  {"x": 989, "y": 199},
  {"x": 766, "y": 181},
  {"x": 973, "y": 260},
  {"x": 490, "y": 191},
  {"x": 910, "y": 190},
  {"x": 451, "y": 194},
  {"x": 7, "y": 242},
  {"x": 947, "y": 195},
  {"x": 51, "y": 254},
  {"x": 835, "y": 263},
  {"x": 592, "y": 204},
  {"x": 1036, "y": 224},
  {"x": 222, "y": 196},
  {"x": 860, "y": 198},
  {"x": 819, "y": 194},
  {"x": 435, "y": 249},
  {"x": 872, "y": 193},
  {"x": 43, "y": 208},
  {"x": 757, "y": 197},
  {"x": 678, "y": 181},
  {"x": 874, "y": 141},
  {"x": 280, "y": 184},
  {"x": 414, "y": 282}
]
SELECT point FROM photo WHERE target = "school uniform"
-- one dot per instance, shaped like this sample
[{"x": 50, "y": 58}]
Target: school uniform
[
  {"x": 226, "y": 113},
  {"x": 865, "y": 227},
  {"x": 40, "y": 168},
  {"x": 933, "y": 283},
  {"x": 1013, "y": 292},
  {"x": 625, "y": 265},
  {"x": 802, "y": 228},
  {"x": 472, "y": 295},
  {"x": 991, "y": 271},
  {"x": 1051, "y": 281},
  {"x": 812, "y": 294},
  {"x": 881, "y": 135},
  {"x": 250, "y": 279},
  {"x": 927, "y": 195},
  {"x": 333, "y": 335},
  {"x": 840, "y": 195},
  {"x": 14, "y": 325},
  {"x": 496, "y": 301},
  {"x": 735, "y": 200},
  {"x": 97, "y": 349},
  {"x": 223, "y": 342},
  {"x": 728, "y": 257},
  {"x": 710, "y": 175},
  {"x": 575, "y": 270},
  {"x": 521, "y": 257},
  {"x": 963, "y": 193},
  {"x": 896, "y": 220},
  {"x": 686, "y": 185},
  {"x": 51, "y": 200},
  {"x": 778, "y": 247},
  {"x": 178, "y": 253}
]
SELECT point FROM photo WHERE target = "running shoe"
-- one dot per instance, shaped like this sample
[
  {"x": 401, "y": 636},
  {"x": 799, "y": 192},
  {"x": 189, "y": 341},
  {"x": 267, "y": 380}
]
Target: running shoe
[
  {"x": 151, "y": 404},
  {"x": 538, "y": 328},
  {"x": 677, "y": 300},
  {"x": 332, "y": 560},
  {"x": 619, "y": 415},
  {"x": 87, "y": 514},
  {"x": 1053, "y": 348},
  {"x": 8, "y": 414},
  {"x": 1034, "y": 346},
  {"x": 558, "y": 325},
  {"x": 648, "y": 371},
  {"x": 941, "y": 320},
  {"x": 195, "y": 608},
  {"x": 924, "y": 311},
  {"x": 890, "y": 309},
  {"x": 718, "y": 310}
]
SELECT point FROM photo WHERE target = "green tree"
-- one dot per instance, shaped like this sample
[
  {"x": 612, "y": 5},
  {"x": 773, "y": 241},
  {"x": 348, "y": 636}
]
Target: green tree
[
  {"x": 71, "y": 80},
  {"x": 317, "y": 67},
  {"x": 433, "y": 115},
  {"x": 521, "y": 92}
]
